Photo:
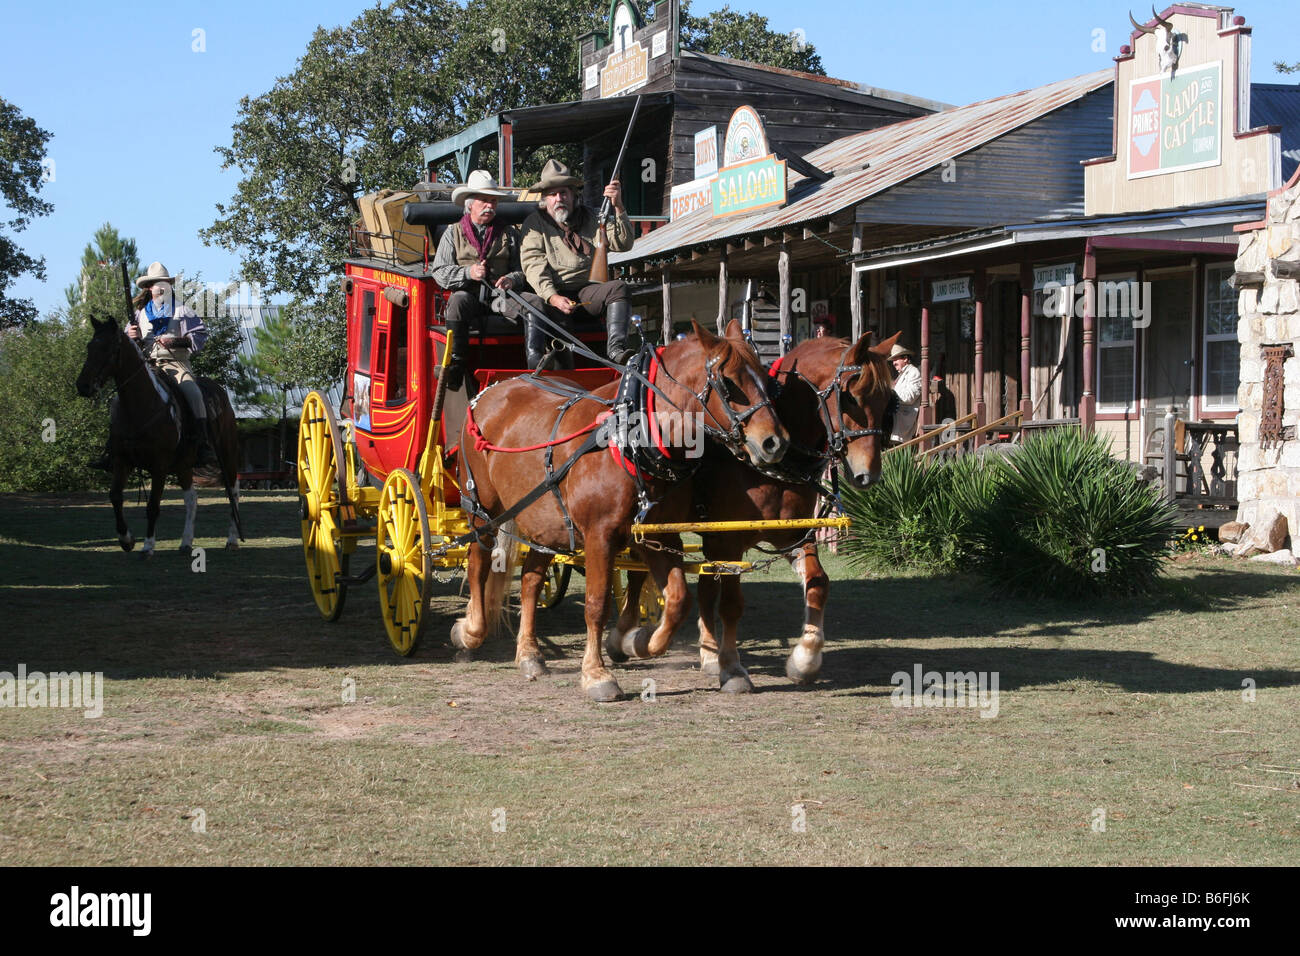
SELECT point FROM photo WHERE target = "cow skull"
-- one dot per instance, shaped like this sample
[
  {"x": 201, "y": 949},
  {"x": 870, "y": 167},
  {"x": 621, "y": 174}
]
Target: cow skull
[{"x": 1171, "y": 45}]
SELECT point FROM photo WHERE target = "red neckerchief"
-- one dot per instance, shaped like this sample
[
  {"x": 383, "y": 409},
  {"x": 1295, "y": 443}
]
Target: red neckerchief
[{"x": 489, "y": 235}]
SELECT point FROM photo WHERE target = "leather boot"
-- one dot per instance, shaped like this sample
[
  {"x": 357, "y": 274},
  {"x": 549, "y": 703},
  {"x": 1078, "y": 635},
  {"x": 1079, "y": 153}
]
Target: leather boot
[
  {"x": 455, "y": 370},
  {"x": 204, "y": 454},
  {"x": 535, "y": 342},
  {"x": 616, "y": 319}
]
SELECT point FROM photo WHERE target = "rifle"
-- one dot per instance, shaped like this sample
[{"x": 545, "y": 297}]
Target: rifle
[
  {"x": 600, "y": 258},
  {"x": 126, "y": 294}
]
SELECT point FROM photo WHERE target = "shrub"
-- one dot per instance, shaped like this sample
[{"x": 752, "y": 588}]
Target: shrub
[{"x": 1068, "y": 520}]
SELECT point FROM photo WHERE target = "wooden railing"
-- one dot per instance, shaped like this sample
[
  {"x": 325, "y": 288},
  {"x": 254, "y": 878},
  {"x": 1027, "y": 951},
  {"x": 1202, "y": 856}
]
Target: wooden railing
[{"x": 954, "y": 442}]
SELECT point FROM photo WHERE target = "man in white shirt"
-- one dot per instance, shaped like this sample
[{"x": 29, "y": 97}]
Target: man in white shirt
[{"x": 907, "y": 386}]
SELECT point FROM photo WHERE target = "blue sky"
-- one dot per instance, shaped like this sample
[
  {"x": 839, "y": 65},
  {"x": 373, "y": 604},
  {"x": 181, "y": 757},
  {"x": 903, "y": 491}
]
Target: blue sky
[{"x": 135, "y": 112}]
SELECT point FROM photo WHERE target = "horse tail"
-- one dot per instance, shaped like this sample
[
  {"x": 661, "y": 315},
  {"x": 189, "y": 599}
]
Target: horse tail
[
  {"x": 505, "y": 559},
  {"x": 226, "y": 446}
]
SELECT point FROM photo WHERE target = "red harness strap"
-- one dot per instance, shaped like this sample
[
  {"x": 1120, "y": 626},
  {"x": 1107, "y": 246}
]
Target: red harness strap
[{"x": 482, "y": 444}]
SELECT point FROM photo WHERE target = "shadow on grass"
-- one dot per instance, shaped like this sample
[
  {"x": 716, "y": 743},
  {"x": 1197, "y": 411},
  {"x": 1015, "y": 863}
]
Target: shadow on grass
[{"x": 73, "y": 600}]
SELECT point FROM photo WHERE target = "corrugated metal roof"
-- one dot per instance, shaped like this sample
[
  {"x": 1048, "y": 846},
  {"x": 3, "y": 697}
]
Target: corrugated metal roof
[
  {"x": 895, "y": 153},
  {"x": 251, "y": 318},
  {"x": 1278, "y": 104}
]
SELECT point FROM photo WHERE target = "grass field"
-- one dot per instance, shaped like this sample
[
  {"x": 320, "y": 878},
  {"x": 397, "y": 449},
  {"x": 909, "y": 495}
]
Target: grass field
[{"x": 225, "y": 737}]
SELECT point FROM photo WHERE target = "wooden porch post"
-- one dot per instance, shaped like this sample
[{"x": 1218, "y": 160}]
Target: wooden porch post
[
  {"x": 723, "y": 304},
  {"x": 927, "y": 410},
  {"x": 855, "y": 287},
  {"x": 783, "y": 271},
  {"x": 666, "y": 334},
  {"x": 1087, "y": 401},
  {"x": 981, "y": 409},
  {"x": 506, "y": 155},
  {"x": 1026, "y": 324}
]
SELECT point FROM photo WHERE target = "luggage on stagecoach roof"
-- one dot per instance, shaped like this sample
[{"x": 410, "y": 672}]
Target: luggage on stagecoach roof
[{"x": 390, "y": 236}]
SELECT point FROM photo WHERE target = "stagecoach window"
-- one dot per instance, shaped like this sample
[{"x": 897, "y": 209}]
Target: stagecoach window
[
  {"x": 367, "y": 330},
  {"x": 397, "y": 360},
  {"x": 1222, "y": 361}
]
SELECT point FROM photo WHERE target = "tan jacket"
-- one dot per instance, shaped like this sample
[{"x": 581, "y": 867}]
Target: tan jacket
[
  {"x": 550, "y": 265},
  {"x": 455, "y": 255}
]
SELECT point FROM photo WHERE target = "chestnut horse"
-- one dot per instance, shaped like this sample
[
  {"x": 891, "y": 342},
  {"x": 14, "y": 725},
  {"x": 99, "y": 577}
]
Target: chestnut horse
[
  {"x": 145, "y": 433},
  {"x": 596, "y": 499},
  {"x": 835, "y": 400}
]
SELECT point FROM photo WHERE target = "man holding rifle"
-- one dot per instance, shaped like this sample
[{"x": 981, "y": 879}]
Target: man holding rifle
[
  {"x": 559, "y": 247},
  {"x": 475, "y": 257}
]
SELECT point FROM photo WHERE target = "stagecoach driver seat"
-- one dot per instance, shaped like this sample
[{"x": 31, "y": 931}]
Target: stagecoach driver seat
[
  {"x": 478, "y": 258},
  {"x": 556, "y": 252}
]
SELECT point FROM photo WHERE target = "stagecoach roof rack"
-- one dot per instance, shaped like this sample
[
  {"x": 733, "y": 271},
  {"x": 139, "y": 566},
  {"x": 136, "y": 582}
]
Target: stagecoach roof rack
[{"x": 392, "y": 251}]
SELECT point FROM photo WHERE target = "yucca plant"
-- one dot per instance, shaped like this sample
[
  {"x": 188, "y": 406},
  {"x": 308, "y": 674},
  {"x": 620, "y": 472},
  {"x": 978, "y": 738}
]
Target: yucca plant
[
  {"x": 1068, "y": 520},
  {"x": 915, "y": 518}
]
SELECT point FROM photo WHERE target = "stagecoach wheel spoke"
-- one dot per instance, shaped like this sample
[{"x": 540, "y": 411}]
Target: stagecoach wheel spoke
[
  {"x": 319, "y": 451},
  {"x": 402, "y": 562},
  {"x": 650, "y": 603},
  {"x": 554, "y": 585}
]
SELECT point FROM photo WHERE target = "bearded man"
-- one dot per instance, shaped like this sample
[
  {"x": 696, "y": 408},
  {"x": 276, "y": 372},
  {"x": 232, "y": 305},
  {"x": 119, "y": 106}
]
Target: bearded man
[
  {"x": 556, "y": 252},
  {"x": 479, "y": 259}
]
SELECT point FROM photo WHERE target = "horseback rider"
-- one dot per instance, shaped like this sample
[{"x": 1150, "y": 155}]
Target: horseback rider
[
  {"x": 168, "y": 333},
  {"x": 556, "y": 252},
  {"x": 475, "y": 257}
]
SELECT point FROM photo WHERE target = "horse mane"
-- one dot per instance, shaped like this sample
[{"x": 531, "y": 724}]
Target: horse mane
[{"x": 875, "y": 377}]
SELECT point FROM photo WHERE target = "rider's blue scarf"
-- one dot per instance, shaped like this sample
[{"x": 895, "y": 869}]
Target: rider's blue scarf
[{"x": 160, "y": 319}]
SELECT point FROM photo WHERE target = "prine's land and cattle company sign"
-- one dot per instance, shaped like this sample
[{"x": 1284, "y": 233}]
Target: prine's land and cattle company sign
[
  {"x": 751, "y": 178},
  {"x": 1175, "y": 122}
]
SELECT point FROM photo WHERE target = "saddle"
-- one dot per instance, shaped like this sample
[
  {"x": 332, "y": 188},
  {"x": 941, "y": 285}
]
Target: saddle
[{"x": 211, "y": 403}]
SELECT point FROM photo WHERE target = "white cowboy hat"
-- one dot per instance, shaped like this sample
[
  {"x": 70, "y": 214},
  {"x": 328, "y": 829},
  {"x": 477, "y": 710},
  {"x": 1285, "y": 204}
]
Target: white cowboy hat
[
  {"x": 157, "y": 272},
  {"x": 481, "y": 183},
  {"x": 898, "y": 351}
]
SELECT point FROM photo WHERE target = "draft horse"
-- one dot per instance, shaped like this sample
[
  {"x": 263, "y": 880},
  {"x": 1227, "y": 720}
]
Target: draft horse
[
  {"x": 599, "y": 488},
  {"x": 145, "y": 433},
  {"x": 836, "y": 399}
]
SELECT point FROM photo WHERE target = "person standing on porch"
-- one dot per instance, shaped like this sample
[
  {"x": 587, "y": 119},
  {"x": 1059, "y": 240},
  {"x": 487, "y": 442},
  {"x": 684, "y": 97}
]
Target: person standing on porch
[{"x": 907, "y": 386}]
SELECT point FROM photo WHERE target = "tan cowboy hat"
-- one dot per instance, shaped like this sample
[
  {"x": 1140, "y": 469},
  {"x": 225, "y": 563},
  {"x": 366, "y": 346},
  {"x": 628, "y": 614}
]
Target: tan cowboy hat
[
  {"x": 555, "y": 174},
  {"x": 898, "y": 352},
  {"x": 157, "y": 272},
  {"x": 480, "y": 183}
]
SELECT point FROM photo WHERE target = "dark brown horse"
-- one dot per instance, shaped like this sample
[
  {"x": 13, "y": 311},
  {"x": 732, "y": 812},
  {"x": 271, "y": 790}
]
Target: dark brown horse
[
  {"x": 834, "y": 400},
  {"x": 145, "y": 433},
  {"x": 702, "y": 377}
]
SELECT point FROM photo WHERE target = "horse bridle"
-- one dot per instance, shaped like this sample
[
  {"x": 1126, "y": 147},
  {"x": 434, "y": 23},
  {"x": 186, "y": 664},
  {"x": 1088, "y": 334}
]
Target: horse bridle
[
  {"x": 839, "y": 438},
  {"x": 734, "y": 435}
]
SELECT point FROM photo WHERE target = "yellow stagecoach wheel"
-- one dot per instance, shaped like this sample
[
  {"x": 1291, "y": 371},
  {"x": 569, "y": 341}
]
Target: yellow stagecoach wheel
[
  {"x": 319, "y": 452},
  {"x": 554, "y": 585},
  {"x": 651, "y": 603},
  {"x": 403, "y": 566}
]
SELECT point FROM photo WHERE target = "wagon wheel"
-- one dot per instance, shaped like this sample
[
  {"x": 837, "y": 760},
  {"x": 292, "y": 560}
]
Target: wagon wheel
[
  {"x": 650, "y": 603},
  {"x": 320, "y": 498},
  {"x": 554, "y": 585},
  {"x": 403, "y": 567}
]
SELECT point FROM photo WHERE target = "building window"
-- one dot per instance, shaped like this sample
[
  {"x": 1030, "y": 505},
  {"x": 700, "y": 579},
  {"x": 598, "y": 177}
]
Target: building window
[
  {"x": 1116, "y": 361},
  {"x": 1222, "y": 354}
]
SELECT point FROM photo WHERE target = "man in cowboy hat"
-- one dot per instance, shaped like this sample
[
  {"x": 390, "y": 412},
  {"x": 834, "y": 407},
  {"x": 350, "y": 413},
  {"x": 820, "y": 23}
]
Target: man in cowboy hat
[
  {"x": 168, "y": 332},
  {"x": 907, "y": 386},
  {"x": 556, "y": 251},
  {"x": 476, "y": 256}
]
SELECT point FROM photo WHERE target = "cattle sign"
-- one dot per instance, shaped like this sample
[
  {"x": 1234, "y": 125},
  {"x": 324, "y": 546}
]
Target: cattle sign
[{"x": 1176, "y": 123}]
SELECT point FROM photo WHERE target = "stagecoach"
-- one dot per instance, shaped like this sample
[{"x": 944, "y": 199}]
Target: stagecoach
[{"x": 382, "y": 466}]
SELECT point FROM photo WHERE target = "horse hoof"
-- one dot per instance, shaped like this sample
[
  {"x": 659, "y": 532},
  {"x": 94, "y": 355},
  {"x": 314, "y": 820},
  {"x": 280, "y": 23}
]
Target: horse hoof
[
  {"x": 533, "y": 668},
  {"x": 146, "y": 555},
  {"x": 458, "y": 635},
  {"x": 803, "y": 666},
  {"x": 614, "y": 645},
  {"x": 605, "y": 692},
  {"x": 463, "y": 656},
  {"x": 126, "y": 541},
  {"x": 186, "y": 550},
  {"x": 737, "y": 683},
  {"x": 232, "y": 545},
  {"x": 709, "y": 662}
]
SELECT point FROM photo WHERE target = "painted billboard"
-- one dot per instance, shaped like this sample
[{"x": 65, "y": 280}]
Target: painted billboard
[{"x": 1175, "y": 123}]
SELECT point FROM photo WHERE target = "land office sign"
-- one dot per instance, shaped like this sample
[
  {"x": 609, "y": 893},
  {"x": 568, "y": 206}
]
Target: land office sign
[
  {"x": 1176, "y": 123},
  {"x": 751, "y": 178}
]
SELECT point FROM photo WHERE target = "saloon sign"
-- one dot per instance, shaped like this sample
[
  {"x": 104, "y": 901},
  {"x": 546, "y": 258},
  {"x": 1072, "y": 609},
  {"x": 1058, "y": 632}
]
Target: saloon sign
[
  {"x": 751, "y": 178},
  {"x": 1175, "y": 123}
]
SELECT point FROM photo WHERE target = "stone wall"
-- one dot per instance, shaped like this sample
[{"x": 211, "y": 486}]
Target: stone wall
[{"x": 1269, "y": 315}]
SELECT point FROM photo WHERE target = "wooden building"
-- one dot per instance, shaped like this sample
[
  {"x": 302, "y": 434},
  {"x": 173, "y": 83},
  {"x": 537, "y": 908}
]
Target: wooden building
[{"x": 683, "y": 93}]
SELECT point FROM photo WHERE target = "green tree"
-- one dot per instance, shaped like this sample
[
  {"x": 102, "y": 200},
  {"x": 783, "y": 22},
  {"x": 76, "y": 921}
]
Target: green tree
[
  {"x": 48, "y": 432},
  {"x": 1286, "y": 67},
  {"x": 746, "y": 36},
  {"x": 98, "y": 289},
  {"x": 22, "y": 150}
]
